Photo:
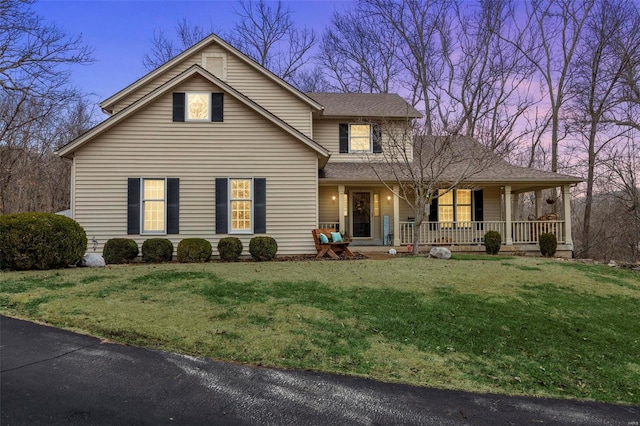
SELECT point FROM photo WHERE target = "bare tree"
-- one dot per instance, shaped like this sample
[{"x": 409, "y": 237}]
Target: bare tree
[
  {"x": 35, "y": 83},
  {"x": 359, "y": 53},
  {"x": 163, "y": 47},
  {"x": 424, "y": 167},
  {"x": 595, "y": 87},
  {"x": 269, "y": 36}
]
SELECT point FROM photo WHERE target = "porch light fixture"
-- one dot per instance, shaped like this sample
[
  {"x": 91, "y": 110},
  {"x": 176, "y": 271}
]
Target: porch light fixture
[{"x": 333, "y": 199}]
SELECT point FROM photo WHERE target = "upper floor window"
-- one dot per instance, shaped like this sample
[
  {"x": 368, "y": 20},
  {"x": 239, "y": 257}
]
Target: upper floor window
[
  {"x": 198, "y": 106},
  {"x": 360, "y": 138}
]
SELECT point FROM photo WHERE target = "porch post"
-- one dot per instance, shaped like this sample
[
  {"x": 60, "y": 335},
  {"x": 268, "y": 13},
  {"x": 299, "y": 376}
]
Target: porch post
[
  {"x": 341, "y": 208},
  {"x": 538, "y": 203},
  {"x": 396, "y": 216},
  {"x": 507, "y": 214},
  {"x": 566, "y": 201}
]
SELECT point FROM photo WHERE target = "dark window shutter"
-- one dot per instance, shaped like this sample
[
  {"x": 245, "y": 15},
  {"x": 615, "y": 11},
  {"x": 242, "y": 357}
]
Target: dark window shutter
[
  {"x": 133, "y": 206},
  {"x": 217, "y": 107},
  {"x": 377, "y": 138},
  {"x": 260, "y": 205},
  {"x": 344, "y": 138},
  {"x": 222, "y": 202},
  {"x": 478, "y": 206},
  {"x": 173, "y": 206},
  {"x": 178, "y": 106},
  {"x": 433, "y": 210}
]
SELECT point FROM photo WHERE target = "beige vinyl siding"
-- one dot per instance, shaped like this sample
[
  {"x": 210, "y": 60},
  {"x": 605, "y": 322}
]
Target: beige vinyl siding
[
  {"x": 244, "y": 78},
  {"x": 492, "y": 203},
  {"x": 326, "y": 132},
  {"x": 328, "y": 210},
  {"x": 149, "y": 144}
]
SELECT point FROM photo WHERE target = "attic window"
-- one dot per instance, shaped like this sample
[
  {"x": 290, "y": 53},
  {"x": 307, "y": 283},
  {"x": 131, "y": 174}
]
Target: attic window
[
  {"x": 216, "y": 64},
  {"x": 198, "y": 106}
]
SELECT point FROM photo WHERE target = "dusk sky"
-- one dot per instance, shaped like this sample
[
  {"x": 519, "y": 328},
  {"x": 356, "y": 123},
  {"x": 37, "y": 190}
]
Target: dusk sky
[{"x": 120, "y": 32}]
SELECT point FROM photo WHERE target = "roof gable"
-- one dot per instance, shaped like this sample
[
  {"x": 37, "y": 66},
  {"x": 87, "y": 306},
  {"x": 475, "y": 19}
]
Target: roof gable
[
  {"x": 72, "y": 146},
  {"x": 109, "y": 103}
]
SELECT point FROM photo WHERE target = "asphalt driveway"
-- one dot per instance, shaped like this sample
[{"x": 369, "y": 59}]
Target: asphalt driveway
[{"x": 55, "y": 377}]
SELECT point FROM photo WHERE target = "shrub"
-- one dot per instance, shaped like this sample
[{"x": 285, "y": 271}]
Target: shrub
[
  {"x": 194, "y": 250},
  {"x": 548, "y": 245},
  {"x": 230, "y": 249},
  {"x": 40, "y": 241},
  {"x": 120, "y": 250},
  {"x": 492, "y": 242},
  {"x": 263, "y": 248},
  {"x": 156, "y": 250}
]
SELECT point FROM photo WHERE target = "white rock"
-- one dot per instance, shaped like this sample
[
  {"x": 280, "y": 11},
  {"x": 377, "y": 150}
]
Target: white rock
[
  {"x": 392, "y": 251},
  {"x": 92, "y": 260},
  {"x": 440, "y": 253}
]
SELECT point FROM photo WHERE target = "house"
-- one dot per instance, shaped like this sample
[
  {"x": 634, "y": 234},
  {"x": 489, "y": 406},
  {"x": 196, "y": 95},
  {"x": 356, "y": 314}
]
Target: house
[{"x": 211, "y": 144}]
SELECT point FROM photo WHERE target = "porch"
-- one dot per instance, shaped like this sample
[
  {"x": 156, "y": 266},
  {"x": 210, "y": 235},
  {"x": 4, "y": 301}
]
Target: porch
[{"x": 498, "y": 205}]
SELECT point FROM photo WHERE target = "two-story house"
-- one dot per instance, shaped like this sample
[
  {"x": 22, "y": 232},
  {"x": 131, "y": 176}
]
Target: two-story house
[{"x": 211, "y": 144}]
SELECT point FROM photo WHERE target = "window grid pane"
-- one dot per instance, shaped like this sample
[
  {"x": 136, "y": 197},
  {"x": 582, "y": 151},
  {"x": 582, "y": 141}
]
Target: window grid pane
[
  {"x": 360, "y": 137},
  {"x": 241, "y": 205},
  {"x": 153, "y": 205},
  {"x": 198, "y": 106}
]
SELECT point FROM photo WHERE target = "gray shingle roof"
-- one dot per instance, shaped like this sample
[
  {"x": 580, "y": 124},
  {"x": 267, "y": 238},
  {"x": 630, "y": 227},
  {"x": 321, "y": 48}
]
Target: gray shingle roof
[
  {"x": 468, "y": 154},
  {"x": 364, "y": 105}
]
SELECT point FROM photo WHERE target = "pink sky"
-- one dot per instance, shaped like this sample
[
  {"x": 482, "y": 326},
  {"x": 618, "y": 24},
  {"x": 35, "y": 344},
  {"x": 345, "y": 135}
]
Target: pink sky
[{"x": 120, "y": 31}]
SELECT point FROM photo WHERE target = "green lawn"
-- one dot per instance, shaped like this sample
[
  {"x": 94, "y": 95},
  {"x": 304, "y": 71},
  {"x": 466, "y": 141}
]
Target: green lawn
[{"x": 514, "y": 325}]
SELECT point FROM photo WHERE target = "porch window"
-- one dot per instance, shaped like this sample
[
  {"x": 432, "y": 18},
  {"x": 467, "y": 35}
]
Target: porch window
[{"x": 454, "y": 206}]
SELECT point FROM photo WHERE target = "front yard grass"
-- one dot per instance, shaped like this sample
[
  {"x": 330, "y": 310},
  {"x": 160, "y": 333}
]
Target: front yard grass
[{"x": 513, "y": 325}]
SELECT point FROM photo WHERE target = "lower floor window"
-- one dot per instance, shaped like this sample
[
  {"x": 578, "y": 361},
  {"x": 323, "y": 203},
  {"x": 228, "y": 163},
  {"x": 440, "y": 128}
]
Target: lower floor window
[
  {"x": 241, "y": 205},
  {"x": 454, "y": 206},
  {"x": 153, "y": 202}
]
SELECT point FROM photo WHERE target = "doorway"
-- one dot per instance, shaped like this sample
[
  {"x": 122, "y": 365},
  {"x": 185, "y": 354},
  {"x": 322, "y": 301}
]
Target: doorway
[{"x": 361, "y": 214}]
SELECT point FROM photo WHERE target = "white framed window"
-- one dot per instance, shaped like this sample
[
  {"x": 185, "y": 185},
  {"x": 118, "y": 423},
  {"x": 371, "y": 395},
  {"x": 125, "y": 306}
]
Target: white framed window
[
  {"x": 360, "y": 138},
  {"x": 454, "y": 206},
  {"x": 241, "y": 206},
  {"x": 198, "y": 106},
  {"x": 154, "y": 202}
]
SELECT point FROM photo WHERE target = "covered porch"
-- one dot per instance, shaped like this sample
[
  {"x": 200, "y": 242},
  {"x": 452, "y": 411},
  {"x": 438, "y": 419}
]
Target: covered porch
[{"x": 389, "y": 219}]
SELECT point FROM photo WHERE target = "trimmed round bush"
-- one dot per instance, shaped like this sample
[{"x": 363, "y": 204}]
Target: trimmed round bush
[
  {"x": 230, "y": 249},
  {"x": 120, "y": 250},
  {"x": 492, "y": 242},
  {"x": 40, "y": 241},
  {"x": 263, "y": 249},
  {"x": 194, "y": 250},
  {"x": 548, "y": 245},
  {"x": 157, "y": 250}
]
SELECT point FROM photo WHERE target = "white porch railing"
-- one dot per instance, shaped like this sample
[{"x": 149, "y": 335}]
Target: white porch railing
[
  {"x": 325, "y": 225},
  {"x": 522, "y": 232}
]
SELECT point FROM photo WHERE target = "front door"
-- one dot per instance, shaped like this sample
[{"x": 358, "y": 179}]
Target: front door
[{"x": 361, "y": 210}]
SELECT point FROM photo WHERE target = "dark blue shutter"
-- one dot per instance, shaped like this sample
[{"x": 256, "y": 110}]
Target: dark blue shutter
[
  {"x": 222, "y": 202},
  {"x": 178, "y": 106},
  {"x": 377, "y": 138},
  {"x": 433, "y": 214},
  {"x": 344, "y": 138},
  {"x": 478, "y": 207},
  {"x": 173, "y": 206},
  {"x": 133, "y": 206},
  {"x": 260, "y": 205},
  {"x": 217, "y": 107}
]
